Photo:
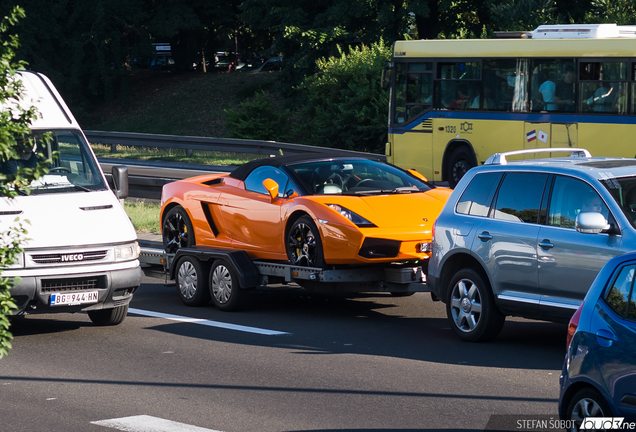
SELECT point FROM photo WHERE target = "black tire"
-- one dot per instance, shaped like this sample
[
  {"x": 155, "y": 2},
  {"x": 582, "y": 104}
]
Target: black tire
[
  {"x": 191, "y": 278},
  {"x": 586, "y": 403},
  {"x": 108, "y": 317},
  {"x": 177, "y": 230},
  {"x": 460, "y": 162},
  {"x": 225, "y": 289},
  {"x": 304, "y": 247},
  {"x": 471, "y": 308},
  {"x": 402, "y": 294}
]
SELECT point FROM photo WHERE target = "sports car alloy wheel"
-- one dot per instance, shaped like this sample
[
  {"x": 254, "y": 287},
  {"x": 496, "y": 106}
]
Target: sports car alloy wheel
[
  {"x": 177, "y": 230},
  {"x": 304, "y": 247}
]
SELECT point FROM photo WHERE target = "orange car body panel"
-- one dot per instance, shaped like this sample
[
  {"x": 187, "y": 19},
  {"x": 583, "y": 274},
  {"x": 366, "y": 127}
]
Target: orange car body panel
[{"x": 256, "y": 223}]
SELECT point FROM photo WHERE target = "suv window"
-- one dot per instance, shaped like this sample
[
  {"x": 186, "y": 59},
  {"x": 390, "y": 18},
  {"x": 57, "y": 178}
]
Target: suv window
[
  {"x": 618, "y": 296},
  {"x": 571, "y": 197},
  {"x": 519, "y": 197},
  {"x": 476, "y": 198}
]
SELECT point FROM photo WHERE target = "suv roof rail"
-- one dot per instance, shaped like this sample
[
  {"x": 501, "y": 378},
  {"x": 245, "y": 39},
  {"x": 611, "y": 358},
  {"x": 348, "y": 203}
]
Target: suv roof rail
[{"x": 500, "y": 158}]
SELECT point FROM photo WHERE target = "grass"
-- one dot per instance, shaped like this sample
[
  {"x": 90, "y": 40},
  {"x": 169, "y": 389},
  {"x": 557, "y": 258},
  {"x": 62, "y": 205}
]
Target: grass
[
  {"x": 144, "y": 216},
  {"x": 173, "y": 155},
  {"x": 187, "y": 103}
]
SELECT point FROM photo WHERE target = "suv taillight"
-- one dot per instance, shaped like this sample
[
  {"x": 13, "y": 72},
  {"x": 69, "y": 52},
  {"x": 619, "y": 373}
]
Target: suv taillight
[{"x": 574, "y": 323}]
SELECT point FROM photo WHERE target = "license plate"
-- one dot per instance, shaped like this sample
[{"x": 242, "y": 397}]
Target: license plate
[{"x": 76, "y": 298}]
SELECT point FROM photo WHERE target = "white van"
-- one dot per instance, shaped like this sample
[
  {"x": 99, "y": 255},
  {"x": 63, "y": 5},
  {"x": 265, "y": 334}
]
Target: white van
[{"x": 81, "y": 252}]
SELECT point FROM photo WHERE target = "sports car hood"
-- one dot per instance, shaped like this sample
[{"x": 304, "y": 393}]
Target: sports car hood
[
  {"x": 68, "y": 219},
  {"x": 395, "y": 210}
]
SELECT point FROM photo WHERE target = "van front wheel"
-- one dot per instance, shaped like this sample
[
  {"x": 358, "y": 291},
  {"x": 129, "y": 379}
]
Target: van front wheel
[{"x": 108, "y": 317}]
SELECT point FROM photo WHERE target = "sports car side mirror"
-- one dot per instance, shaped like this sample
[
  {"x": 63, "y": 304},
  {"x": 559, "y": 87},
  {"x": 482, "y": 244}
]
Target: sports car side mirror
[
  {"x": 272, "y": 187},
  {"x": 417, "y": 174}
]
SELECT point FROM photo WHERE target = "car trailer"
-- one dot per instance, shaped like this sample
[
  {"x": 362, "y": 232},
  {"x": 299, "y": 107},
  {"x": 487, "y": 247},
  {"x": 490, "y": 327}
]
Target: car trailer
[{"x": 204, "y": 273}]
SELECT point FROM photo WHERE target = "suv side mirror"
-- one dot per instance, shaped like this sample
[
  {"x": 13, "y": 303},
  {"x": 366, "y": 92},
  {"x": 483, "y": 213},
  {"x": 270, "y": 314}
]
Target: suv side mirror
[
  {"x": 120, "y": 181},
  {"x": 591, "y": 223}
]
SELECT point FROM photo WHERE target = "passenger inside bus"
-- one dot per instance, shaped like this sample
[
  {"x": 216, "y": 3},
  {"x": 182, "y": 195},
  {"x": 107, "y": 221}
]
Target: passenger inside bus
[
  {"x": 462, "y": 98},
  {"x": 565, "y": 90},
  {"x": 603, "y": 98}
]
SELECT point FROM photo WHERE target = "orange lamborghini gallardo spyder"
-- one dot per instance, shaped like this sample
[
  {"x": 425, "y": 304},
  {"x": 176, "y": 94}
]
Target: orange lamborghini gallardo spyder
[{"x": 309, "y": 211}]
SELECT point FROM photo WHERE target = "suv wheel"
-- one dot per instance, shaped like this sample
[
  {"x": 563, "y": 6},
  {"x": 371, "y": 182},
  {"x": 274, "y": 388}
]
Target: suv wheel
[{"x": 471, "y": 307}]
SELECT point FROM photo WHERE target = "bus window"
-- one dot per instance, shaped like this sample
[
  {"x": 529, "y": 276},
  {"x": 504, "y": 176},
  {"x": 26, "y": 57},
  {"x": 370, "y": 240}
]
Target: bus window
[
  {"x": 458, "y": 85},
  {"x": 413, "y": 91},
  {"x": 546, "y": 75},
  {"x": 603, "y": 87}
]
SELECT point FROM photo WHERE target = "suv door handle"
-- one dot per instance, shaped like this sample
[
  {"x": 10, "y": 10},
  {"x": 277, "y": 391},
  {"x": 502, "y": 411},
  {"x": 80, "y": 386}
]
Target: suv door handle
[
  {"x": 485, "y": 236},
  {"x": 546, "y": 244}
]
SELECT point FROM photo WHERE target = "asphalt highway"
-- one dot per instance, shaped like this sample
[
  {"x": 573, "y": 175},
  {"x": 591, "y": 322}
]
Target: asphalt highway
[{"x": 288, "y": 362}]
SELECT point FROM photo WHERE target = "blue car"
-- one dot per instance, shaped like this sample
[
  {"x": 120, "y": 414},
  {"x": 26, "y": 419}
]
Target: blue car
[{"x": 599, "y": 373}]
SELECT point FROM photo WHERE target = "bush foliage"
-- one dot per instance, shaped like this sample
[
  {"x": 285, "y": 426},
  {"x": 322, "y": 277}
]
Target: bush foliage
[
  {"x": 258, "y": 119},
  {"x": 346, "y": 106}
]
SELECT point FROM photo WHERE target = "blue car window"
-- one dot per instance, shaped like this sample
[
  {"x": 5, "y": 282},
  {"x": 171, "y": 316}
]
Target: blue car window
[{"x": 620, "y": 296}]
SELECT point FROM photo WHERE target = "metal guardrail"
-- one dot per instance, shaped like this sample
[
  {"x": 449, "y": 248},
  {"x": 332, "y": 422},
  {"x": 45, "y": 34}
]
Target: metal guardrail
[
  {"x": 147, "y": 178},
  {"x": 266, "y": 148}
]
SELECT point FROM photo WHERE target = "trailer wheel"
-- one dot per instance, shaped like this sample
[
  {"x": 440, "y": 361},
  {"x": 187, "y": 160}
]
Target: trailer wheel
[
  {"x": 108, "y": 317},
  {"x": 177, "y": 230},
  {"x": 304, "y": 247},
  {"x": 192, "y": 282},
  {"x": 227, "y": 294}
]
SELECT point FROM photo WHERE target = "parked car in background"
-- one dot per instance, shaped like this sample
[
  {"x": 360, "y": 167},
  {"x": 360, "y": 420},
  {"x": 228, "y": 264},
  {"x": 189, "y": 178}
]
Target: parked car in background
[
  {"x": 599, "y": 372},
  {"x": 271, "y": 64},
  {"x": 527, "y": 238}
]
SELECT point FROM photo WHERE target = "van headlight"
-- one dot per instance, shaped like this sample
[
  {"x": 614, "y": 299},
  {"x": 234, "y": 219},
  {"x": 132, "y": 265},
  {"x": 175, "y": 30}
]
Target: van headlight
[
  {"x": 127, "y": 252},
  {"x": 18, "y": 264}
]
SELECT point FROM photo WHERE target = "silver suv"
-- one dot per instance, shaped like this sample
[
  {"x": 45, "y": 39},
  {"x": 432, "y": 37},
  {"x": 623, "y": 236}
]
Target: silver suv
[{"x": 527, "y": 238}]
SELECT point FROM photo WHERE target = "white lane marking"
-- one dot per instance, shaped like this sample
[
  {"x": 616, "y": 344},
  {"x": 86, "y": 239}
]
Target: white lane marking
[
  {"x": 145, "y": 423},
  {"x": 208, "y": 323}
]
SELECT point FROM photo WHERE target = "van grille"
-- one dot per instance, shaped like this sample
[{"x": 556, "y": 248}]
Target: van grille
[
  {"x": 57, "y": 258},
  {"x": 73, "y": 284}
]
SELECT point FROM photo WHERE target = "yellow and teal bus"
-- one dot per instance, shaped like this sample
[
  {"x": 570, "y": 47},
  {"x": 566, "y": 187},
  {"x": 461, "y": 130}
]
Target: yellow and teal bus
[{"x": 455, "y": 102}]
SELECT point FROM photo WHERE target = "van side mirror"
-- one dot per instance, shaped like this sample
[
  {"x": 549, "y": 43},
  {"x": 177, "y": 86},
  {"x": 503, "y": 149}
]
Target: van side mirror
[
  {"x": 272, "y": 187},
  {"x": 120, "y": 181}
]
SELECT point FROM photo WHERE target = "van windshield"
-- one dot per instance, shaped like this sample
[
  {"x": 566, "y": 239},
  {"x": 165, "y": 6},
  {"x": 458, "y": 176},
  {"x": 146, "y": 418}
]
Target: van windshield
[
  {"x": 74, "y": 170},
  {"x": 623, "y": 190}
]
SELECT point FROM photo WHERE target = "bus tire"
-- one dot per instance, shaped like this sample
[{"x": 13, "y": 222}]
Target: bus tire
[{"x": 460, "y": 162}]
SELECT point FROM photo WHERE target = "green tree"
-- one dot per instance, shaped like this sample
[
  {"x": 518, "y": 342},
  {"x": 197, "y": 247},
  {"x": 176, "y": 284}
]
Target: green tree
[
  {"x": 14, "y": 141},
  {"x": 345, "y": 106},
  {"x": 622, "y": 12}
]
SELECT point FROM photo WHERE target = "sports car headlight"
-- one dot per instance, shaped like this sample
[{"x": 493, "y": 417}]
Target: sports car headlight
[
  {"x": 127, "y": 252},
  {"x": 353, "y": 217}
]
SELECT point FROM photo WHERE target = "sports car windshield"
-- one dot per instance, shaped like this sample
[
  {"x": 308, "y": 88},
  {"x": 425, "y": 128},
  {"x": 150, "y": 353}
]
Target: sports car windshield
[{"x": 355, "y": 177}]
